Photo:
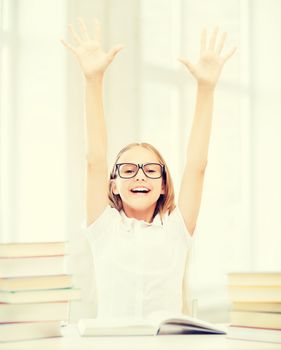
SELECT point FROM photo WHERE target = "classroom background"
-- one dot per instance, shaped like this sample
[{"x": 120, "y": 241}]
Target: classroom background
[{"x": 149, "y": 97}]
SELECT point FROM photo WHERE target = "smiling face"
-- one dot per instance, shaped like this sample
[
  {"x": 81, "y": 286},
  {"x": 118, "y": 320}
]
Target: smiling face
[{"x": 138, "y": 193}]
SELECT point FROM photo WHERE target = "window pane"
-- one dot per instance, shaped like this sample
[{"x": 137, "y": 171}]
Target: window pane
[
  {"x": 160, "y": 31},
  {"x": 208, "y": 14},
  {"x": 32, "y": 124}
]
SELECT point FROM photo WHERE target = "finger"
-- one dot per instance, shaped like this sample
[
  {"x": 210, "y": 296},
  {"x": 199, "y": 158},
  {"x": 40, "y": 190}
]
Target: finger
[
  {"x": 229, "y": 54},
  {"x": 187, "y": 63},
  {"x": 203, "y": 40},
  {"x": 75, "y": 36},
  {"x": 213, "y": 39},
  {"x": 221, "y": 43},
  {"x": 114, "y": 51},
  {"x": 71, "y": 48},
  {"x": 97, "y": 30},
  {"x": 83, "y": 29}
]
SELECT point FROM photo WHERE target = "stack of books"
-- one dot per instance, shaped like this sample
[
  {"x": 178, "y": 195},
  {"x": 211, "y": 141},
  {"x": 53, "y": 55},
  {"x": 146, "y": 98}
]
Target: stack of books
[
  {"x": 255, "y": 306},
  {"x": 35, "y": 291}
]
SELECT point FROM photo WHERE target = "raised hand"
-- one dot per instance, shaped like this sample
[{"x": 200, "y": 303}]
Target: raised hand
[
  {"x": 91, "y": 57},
  {"x": 211, "y": 61}
]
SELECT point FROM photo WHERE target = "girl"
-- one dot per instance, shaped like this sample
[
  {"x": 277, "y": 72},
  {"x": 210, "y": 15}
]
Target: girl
[{"x": 139, "y": 238}]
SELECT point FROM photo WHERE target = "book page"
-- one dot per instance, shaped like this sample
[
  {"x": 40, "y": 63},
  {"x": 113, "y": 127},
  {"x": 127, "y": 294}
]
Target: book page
[
  {"x": 165, "y": 318},
  {"x": 167, "y": 328}
]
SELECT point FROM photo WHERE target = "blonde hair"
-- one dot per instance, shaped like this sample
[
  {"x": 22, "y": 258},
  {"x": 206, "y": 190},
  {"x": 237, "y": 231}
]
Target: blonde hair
[{"x": 166, "y": 201}]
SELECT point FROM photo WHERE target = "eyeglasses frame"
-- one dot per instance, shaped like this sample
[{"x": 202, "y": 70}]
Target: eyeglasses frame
[{"x": 140, "y": 166}]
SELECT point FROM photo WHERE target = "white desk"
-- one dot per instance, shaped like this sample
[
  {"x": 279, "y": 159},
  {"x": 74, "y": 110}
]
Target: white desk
[{"x": 72, "y": 341}]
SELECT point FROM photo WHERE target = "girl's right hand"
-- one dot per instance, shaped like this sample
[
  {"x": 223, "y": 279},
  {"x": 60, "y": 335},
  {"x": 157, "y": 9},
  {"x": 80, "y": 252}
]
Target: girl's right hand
[{"x": 92, "y": 59}]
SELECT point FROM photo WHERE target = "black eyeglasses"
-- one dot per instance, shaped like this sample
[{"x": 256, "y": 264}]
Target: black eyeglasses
[{"x": 151, "y": 170}]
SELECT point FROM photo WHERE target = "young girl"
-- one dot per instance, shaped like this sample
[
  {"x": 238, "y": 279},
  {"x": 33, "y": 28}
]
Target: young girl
[{"x": 139, "y": 237}]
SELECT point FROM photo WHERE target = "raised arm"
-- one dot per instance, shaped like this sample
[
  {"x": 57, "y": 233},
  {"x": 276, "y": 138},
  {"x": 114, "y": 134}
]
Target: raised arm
[
  {"x": 94, "y": 62},
  {"x": 206, "y": 72}
]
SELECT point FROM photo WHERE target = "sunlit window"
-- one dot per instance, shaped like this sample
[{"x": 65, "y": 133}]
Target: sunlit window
[{"x": 32, "y": 123}]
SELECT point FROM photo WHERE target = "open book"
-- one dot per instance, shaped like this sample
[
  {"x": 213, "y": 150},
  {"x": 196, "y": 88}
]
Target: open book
[{"x": 157, "y": 323}]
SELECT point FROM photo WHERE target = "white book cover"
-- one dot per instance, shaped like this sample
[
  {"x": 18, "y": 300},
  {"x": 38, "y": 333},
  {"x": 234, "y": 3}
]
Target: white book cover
[
  {"x": 29, "y": 330},
  {"x": 28, "y": 249},
  {"x": 57, "y": 311},
  {"x": 40, "y": 296},
  {"x": 257, "y": 278},
  {"x": 255, "y": 293},
  {"x": 32, "y": 266},
  {"x": 254, "y": 334},
  {"x": 36, "y": 282},
  {"x": 256, "y": 319}
]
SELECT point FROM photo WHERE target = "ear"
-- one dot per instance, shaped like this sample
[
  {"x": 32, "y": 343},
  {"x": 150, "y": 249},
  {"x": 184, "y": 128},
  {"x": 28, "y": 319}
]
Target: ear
[
  {"x": 114, "y": 187},
  {"x": 163, "y": 189}
]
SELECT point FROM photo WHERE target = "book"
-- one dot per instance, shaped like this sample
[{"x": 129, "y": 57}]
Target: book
[
  {"x": 158, "y": 323},
  {"x": 254, "y": 278},
  {"x": 29, "y": 330},
  {"x": 34, "y": 312},
  {"x": 40, "y": 296},
  {"x": 255, "y": 293},
  {"x": 36, "y": 282},
  {"x": 35, "y": 291},
  {"x": 256, "y": 306},
  {"x": 32, "y": 266},
  {"x": 32, "y": 249},
  {"x": 256, "y": 319},
  {"x": 255, "y": 334}
]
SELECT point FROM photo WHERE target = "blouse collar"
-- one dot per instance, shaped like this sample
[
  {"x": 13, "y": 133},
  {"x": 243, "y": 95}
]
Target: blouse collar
[{"x": 129, "y": 222}]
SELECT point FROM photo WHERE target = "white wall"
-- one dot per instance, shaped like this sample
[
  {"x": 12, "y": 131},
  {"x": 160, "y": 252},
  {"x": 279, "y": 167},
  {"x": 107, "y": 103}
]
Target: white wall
[{"x": 266, "y": 126}]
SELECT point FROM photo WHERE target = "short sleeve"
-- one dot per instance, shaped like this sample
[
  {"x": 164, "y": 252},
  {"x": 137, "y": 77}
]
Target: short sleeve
[
  {"x": 104, "y": 223},
  {"x": 176, "y": 220}
]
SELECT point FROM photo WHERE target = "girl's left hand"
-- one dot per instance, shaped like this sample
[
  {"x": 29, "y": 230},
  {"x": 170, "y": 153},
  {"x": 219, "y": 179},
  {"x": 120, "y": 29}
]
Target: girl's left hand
[{"x": 207, "y": 70}]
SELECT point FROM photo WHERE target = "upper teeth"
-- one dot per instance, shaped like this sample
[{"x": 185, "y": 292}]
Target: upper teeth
[{"x": 140, "y": 189}]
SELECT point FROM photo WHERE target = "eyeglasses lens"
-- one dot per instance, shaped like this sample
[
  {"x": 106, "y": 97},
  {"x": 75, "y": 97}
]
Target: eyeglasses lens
[{"x": 153, "y": 170}]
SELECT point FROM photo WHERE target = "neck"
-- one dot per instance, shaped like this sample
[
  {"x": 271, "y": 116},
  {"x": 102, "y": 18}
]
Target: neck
[{"x": 145, "y": 214}]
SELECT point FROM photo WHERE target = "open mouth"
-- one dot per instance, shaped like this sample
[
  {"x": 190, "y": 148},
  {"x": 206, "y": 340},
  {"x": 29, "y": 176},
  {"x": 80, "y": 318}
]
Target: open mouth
[{"x": 140, "y": 190}]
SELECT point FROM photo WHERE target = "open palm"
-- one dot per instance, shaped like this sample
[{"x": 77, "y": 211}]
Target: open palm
[
  {"x": 91, "y": 57},
  {"x": 211, "y": 61}
]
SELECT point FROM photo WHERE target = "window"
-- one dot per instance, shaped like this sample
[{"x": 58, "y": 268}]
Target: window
[{"x": 32, "y": 124}]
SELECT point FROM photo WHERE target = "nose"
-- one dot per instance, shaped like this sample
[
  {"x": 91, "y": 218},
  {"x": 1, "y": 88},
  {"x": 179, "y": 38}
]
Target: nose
[{"x": 140, "y": 175}]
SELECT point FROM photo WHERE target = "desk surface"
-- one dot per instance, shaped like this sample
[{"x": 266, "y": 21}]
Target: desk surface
[{"x": 72, "y": 341}]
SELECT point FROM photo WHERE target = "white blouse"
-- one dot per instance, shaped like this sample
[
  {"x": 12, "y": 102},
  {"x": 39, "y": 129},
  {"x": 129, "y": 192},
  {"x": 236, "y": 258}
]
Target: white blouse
[{"x": 139, "y": 266}]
